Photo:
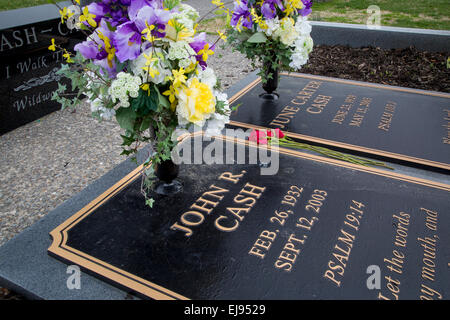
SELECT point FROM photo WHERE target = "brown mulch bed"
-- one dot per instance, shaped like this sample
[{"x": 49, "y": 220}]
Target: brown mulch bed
[
  {"x": 5, "y": 294},
  {"x": 409, "y": 67}
]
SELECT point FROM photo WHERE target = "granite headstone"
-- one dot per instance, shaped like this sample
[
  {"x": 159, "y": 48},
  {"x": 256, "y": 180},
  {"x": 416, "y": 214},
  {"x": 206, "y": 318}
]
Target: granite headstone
[{"x": 27, "y": 68}]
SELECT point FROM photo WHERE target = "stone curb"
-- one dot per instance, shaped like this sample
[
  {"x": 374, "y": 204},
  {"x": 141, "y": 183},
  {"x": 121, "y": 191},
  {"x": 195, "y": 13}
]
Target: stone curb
[{"x": 354, "y": 35}]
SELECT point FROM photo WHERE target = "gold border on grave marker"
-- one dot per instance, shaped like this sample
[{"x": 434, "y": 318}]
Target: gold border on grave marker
[
  {"x": 344, "y": 145},
  {"x": 59, "y": 235}
]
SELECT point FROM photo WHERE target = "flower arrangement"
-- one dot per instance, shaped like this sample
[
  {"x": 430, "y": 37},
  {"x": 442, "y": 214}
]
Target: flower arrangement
[
  {"x": 276, "y": 137},
  {"x": 275, "y": 33},
  {"x": 144, "y": 64}
]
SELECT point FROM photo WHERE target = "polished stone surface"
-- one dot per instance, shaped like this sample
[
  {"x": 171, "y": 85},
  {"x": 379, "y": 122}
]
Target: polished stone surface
[
  {"x": 28, "y": 69},
  {"x": 308, "y": 232},
  {"x": 26, "y": 267},
  {"x": 394, "y": 123}
]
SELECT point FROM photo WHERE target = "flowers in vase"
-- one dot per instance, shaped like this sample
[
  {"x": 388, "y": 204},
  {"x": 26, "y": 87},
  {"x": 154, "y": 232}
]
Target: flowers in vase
[
  {"x": 275, "y": 33},
  {"x": 144, "y": 64}
]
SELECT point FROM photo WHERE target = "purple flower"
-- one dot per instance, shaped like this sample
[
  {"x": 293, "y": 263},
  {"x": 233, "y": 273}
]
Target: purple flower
[
  {"x": 306, "y": 10},
  {"x": 127, "y": 41},
  {"x": 152, "y": 15},
  {"x": 88, "y": 49},
  {"x": 128, "y": 36},
  {"x": 94, "y": 48},
  {"x": 242, "y": 11},
  {"x": 199, "y": 42},
  {"x": 99, "y": 10},
  {"x": 269, "y": 10},
  {"x": 136, "y": 5}
]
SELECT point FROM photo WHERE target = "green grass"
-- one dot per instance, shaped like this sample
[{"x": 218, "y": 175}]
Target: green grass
[
  {"x": 15, "y": 4},
  {"x": 427, "y": 14}
]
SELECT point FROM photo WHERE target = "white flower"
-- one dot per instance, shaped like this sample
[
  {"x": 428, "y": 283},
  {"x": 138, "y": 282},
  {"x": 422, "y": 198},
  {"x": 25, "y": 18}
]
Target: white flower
[
  {"x": 208, "y": 77},
  {"x": 286, "y": 32},
  {"x": 124, "y": 87},
  {"x": 304, "y": 43},
  {"x": 272, "y": 25},
  {"x": 163, "y": 67},
  {"x": 97, "y": 107},
  {"x": 185, "y": 63},
  {"x": 180, "y": 50},
  {"x": 302, "y": 26},
  {"x": 298, "y": 59},
  {"x": 216, "y": 124},
  {"x": 187, "y": 15}
]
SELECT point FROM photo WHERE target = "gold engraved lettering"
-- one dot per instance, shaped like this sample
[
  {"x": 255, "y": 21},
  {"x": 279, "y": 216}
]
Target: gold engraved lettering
[
  {"x": 289, "y": 255},
  {"x": 263, "y": 244},
  {"x": 229, "y": 176},
  {"x": 429, "y": 293},
  {"x": 221, "y": 227},
  {"x": 319, "y": 104},
  {"x": 250, "y": 190},
  {"x": 288, "y": 112},
  {"x": 342, "y": 249},
  {"x": 446, "y": 139},
  {"x": 387, "y": 116}
]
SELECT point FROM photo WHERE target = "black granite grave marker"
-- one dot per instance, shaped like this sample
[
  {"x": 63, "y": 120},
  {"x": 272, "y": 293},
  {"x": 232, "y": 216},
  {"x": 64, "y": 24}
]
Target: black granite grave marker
[
  {"x": 399, "y": 124},
  {"x": 27, "y": 68},
  {"x": 312, "y": 231}
]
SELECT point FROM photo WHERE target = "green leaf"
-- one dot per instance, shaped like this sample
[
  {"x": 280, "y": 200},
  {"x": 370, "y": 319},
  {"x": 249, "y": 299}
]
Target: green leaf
[
  {"x": 145, "y": 124},
  {"x": 150, "y": 202},
  {"x": 126, "y": 118},
  {"x": 162, "y": 99},
  {"x": 258, "y": 37},
  {"x": 145, "y": 103}
]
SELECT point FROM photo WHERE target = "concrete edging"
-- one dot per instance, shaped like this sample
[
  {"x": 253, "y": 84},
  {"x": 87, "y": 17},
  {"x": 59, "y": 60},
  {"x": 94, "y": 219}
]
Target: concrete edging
[{"x": 355, "y": 35}]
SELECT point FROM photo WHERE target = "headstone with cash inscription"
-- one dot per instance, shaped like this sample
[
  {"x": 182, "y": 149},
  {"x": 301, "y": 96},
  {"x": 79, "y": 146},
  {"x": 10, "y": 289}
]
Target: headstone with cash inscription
[
  {"x": 27, "y": 68},
  {"x": 316, "y": 229}
]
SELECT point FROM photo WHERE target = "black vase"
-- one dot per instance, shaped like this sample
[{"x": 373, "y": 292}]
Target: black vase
[
  {"x": 167, "y": 172},
  {"x": 271, "y": 84}
]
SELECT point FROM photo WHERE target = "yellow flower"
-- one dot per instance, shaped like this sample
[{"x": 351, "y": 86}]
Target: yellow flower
[
  {"x": 146, "y": 87},
  {"x": 196, "y": 102},
  {"x": 108, "y": 48},
  {"x": 86, "y": 16},
  {"x": 206, "y": 52},
  {"x": 65, "y": 14},
  {"x": 67, "y": 56},
  {"x": 77, "y": 1},
  {"x": 292, "y": 6},
  {"x": 149, "y": 64},
  {"x": 148, "y": 32},
  {"x": 53, "y": 46},
  {"x": 259, "y": 19},
  {"x": 218, "y": 3},
  {"x": 178, "y": 78},
  {"x": 172, "y": 93},
  {"x": 177, "y": 31},
  {"x": 191, "y": 68},
  {"x": 222, "y": 36}
]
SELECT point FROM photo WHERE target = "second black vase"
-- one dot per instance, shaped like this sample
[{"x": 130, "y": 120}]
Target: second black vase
[
  {"x": 167, "y": 172},
  {"x": 271, "y": 84}
]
